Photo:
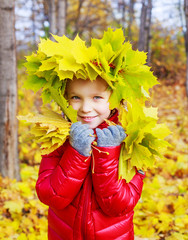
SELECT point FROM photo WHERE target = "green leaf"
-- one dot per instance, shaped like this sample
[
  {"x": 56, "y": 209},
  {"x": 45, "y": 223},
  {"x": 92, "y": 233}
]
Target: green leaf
[
  {"x": 32, "y": 66},
  {"x": 139, "y": 154},
  {"x": 63, "y": 103},
  {"x": 35, "y": 83},
  {"x": 116, "y": 96},
  {"x": 125, "y": 171},
  {"x": 135, "y": 57},
  {"x": 36, "y": 57},
  {"x": 92, "y": 74},
  {"x": 107, "y": 52},
  {"x": 115, "y": 38},
  {"x": 141, "y": 76},
  {"x": 104, "y": 63}
]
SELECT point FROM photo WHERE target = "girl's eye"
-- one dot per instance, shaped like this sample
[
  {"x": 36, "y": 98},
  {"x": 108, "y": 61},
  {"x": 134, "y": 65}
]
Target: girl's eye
[
  {"x": 97, "y": 97},
  {"x": 75, "y": 97}
]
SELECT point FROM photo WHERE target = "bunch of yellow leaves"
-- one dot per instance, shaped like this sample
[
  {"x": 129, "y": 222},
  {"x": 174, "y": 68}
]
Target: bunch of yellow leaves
[
  {"x": 145, "y": 138},
  {"x": 50, "y": 129}
]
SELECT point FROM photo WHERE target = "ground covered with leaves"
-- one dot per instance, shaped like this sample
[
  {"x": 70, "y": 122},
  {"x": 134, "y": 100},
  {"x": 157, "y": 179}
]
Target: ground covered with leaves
[{"x": 162, "y": 210}]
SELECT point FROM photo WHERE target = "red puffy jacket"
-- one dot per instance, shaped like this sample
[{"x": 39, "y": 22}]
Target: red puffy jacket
[{"x": 85, "y": 198}]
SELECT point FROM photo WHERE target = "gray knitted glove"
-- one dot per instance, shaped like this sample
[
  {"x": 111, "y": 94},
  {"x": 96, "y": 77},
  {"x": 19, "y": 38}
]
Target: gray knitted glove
[
  {"x": 80, "y": 139},
  {"x": 111, "y": 136}
]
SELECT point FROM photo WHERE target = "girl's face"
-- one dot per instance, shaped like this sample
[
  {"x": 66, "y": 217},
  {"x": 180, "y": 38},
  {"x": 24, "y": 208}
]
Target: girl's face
[{"x": 90, "y": 99}]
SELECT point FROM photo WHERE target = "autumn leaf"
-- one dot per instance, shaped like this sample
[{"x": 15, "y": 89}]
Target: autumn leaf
[
  {"x": 51, "y": 129},
  {"x": 145, "y": 138},
  {"x": 14, "y": 206}
]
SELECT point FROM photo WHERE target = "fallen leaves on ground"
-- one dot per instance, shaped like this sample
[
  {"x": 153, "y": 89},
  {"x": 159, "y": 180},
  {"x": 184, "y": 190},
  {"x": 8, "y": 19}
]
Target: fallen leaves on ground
[{"x": 22, "y": 216}]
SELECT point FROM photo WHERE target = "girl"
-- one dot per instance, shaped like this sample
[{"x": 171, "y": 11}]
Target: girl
[{"x": 79, "y": 181}]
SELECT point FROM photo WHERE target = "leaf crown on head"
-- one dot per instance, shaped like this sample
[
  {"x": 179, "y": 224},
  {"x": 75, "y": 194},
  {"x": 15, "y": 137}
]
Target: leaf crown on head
[{"x": 111, "y": 57}]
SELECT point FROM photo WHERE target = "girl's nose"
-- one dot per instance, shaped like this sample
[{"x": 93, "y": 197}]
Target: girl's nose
[{"x": 86, "y": 106}]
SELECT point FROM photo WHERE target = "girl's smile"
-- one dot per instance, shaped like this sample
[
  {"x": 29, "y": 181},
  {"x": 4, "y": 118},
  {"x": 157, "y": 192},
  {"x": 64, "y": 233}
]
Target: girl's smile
[
  {"x": 90, "y": 99},
  {"x": 87, "y": 118}
]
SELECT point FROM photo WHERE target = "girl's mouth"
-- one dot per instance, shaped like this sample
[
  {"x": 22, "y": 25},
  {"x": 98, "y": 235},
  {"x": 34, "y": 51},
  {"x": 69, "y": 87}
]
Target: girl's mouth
[{"x": 88, "y": 118}]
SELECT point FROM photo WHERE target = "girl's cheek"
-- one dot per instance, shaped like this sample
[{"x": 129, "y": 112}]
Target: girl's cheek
[
  {"x": 74, "y": 105},
  {"x": 103, "y": 108}
]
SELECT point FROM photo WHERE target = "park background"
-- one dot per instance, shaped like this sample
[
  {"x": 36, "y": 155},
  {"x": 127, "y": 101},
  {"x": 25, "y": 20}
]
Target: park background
[{"x": 158, "y": 27}]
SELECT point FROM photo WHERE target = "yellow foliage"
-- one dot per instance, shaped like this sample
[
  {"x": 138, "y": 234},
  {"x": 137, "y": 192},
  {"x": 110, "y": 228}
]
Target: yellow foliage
[
  {"x": 22, "y": 215},
  {"x": 50, "y": 129}
]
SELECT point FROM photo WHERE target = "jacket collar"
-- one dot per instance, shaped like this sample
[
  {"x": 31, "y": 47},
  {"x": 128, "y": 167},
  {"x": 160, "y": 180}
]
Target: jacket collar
[{"x": 113, "y": 118}]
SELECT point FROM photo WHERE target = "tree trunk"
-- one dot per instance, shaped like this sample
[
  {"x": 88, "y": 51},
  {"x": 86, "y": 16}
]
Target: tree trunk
[
  {"x": 131, "y": 18},
  {"x": 122, "y": 8},
  {"x": 142, "y": 40},
  {"x": 61, "y": 19},
  {"x": 76, "y": 31},
  {"x": 52, "y": 17},
  {"x": 147, "y": 30},
  {"x": 145, "y": 25},
  {"x": 33, "y": 21},
  {"x": 9, "y": 162},
  {"x": 186, "y": 40}
]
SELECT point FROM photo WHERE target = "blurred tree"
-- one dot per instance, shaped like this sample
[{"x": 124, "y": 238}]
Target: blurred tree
[
  {"x": 9, "y": 163},
  {"x": 186, "y": 39},
  {"x": 145, "y": 25},
  {"x": 61, "y": 17},
  {"x": 122, "y": 7},
  {"x": 131, "y": 17},
  {"x": 142, "y": 40},
  {"x": 89, "y": 17},
  {"x": 50, "y": 7},
  {"x": 127, "y": 11},
  {"x": 56, "y": 13},
  {"x": 33, "y": 20},
  {"x": 78, "y": 13}
]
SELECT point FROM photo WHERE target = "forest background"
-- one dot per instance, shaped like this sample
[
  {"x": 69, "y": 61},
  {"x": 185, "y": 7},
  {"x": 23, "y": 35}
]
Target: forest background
[{"x": 160, "y": 28}]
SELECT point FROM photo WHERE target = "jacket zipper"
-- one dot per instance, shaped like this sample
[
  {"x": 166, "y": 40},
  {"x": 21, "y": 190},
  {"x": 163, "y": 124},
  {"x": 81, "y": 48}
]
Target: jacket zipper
[{"x": 85, "y": 207}]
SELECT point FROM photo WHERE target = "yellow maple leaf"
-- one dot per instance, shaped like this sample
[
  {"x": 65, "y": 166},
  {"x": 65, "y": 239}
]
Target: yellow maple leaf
[{"x": 51, "y": 129}]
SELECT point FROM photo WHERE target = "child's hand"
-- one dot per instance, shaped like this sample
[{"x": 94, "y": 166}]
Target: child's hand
[
  {"x": 111, "y": 136},
  {"x": 80, "y": 138}
]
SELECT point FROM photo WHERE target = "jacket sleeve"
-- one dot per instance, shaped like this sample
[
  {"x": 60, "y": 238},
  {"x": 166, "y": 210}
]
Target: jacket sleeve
[
  {"x": 115, "y": 197},
  {"x": 61, "y": 175}
]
